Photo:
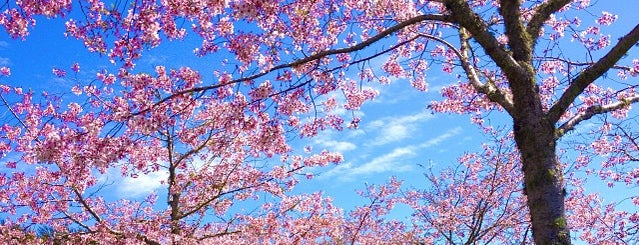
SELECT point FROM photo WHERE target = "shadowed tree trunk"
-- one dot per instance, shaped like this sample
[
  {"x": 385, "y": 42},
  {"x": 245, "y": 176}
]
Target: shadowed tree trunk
[{"x": 535, "y": 129}]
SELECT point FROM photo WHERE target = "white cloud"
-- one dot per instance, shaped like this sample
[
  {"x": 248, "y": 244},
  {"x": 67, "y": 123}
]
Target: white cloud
[
  {"x": 394, "y": 161},
  {"x": 390, "y": 162},
  {"x": 154, "y": 60},
  {"x": 339, "y": 170},
  {"x": 439, "y": 139},
  {"x": 391, "y": 133},
  {"x": 327, "y": 140},
  {"x": 143, "y": 185},
  {"x": 396, "y": 129},
  {"x": 5, "y": 61},
  {"x": 436, "y": 89},
  {"x": 340, "y": 146},
  {"x": 387, "y": 162},
  {"x": 128, "y": 187}
]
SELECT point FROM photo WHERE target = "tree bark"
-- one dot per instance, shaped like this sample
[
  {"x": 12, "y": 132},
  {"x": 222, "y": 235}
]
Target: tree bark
[
  {"x": 534, "y": 131},
  {"x": 543, "y": 181},
  {"x": 543, "y": 173}
]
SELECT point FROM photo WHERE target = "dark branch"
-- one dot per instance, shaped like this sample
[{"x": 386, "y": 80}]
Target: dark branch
[
  {"x": 385, "y": 33},
  {"x": 518, "y": 39},
  {"x": 590, "y": 74},
  {"x": 464, "y": 16},
  {"x": 489, "y": 88},
  {"x": 592, "y": 111},
  {"x": 542, "y": 14},
  {"x": 581, "y": 64}
]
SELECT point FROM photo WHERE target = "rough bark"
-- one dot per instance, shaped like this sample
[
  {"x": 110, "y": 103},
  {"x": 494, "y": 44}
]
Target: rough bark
[
  {"x": 544, "y": 183},
  {"x": 543, "y": 174},
  {"x": 534, "y": 132}
]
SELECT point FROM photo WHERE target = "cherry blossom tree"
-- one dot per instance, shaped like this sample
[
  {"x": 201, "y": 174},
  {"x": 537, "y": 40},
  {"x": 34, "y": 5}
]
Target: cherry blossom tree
[
  {"x": 519, "y": 58},
  {"x": 478, "y": 201},
  {"x": 209, "y": 166}
]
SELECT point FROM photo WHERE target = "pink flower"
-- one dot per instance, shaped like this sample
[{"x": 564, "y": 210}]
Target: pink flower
[
  {"x": 354, "y": 124},
  {"x": 5, "y": 89},
  {"x": 606, "y": 19},
  {"x": 12, "y": 164},
  {"x": 420, "y": 84},
  {"x": 59, "y": 72},
  {"x": 75, "y": 67},
  {"x": 5, "y": 71},
  {"x": 76, "y": 90}
]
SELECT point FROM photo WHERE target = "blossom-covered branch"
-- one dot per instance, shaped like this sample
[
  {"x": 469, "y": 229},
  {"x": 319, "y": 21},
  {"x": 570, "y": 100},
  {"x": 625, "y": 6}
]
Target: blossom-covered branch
[
  {"x": 591, "y": 111},
  {"x": 592, "y": 73}
]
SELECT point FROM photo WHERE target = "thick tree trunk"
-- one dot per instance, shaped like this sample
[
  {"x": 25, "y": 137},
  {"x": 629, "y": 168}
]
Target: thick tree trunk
[
  {"x": 534, "y": 130},
  {"x": 544, "y": 183},
  {"x": 543, "y": 174}
]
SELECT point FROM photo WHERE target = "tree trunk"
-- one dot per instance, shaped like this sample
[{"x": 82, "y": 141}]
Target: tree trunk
[
  {"x": 543, "y": 182},
  {"x": 543, "y": 174}
]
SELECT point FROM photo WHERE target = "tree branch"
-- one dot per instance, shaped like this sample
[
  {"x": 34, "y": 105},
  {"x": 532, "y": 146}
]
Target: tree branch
[
  {"x": 576, "y": 63},
  {"x": 591, "y": 73},
  {"x": 98, "y": 219},
  {"x": 489, "y": 89},
  {"x": 518, "y": 39},
  {"x": 319, "y": 55},
  {"x": 542, "y": 14},
  {"x": 463, "y": 14},
  {"x": 592, "y": 111}
]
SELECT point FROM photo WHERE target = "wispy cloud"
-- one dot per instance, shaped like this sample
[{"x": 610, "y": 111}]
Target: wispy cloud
[
  {"x": 4, "y": 44},
  {"x": 436, "y": 89},
  {"x": 439, "y": 139},
  {"x": 129, "y": 187},
  {"x": 387, "y": 162},
  {"x": 4, "y": 61},
  {"x": 396, "y": 129},
  {"x": 144, "y": 184},
  {"x": 326, "y": 140},
  {"x": 141, "y": 186},
  {"x": 339, "y": 146},
  {"x": 154, "y": 60},
  {"x": 394, "y": 161}
]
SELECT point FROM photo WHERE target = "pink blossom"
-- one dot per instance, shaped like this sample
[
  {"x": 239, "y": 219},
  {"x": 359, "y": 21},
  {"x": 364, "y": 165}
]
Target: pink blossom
[
  {"x": 76, "y": 90},
  {"x": 606, "y": 19},
  {"x": 420, "y": 84},
  {"x": 59, "y": 72},
  {"x": 354, "y": 124},
  {"x": 5, "y": 71},
  {"x": 75, "y": 67}
]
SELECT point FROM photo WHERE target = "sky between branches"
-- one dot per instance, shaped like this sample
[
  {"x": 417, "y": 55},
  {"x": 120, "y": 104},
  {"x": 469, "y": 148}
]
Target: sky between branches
[{"x": 397, "y": 134}]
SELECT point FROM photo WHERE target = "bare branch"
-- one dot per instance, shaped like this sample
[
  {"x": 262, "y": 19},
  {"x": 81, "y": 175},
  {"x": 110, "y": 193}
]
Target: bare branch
[
  {"x": 76, "y": 221},
  {"x": 90, "y": 210},
  {"x": 147, "y": 240},
  {"x": 14, "y": 114},
  {"x": 99, "y": 220},
  {"x": 489, "y": 89},
  {"x": 518, "y": 39},
  {"x": 542, "y": 14},
  {"x": 592, "y": 73},
  {"x": 582, "y": 63},
  {"x": 464, "y": 15},
  {"x": 592, "y": 111}
]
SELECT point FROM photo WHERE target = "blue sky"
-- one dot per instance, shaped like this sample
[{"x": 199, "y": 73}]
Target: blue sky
[{"x": 396, "y": 135}]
